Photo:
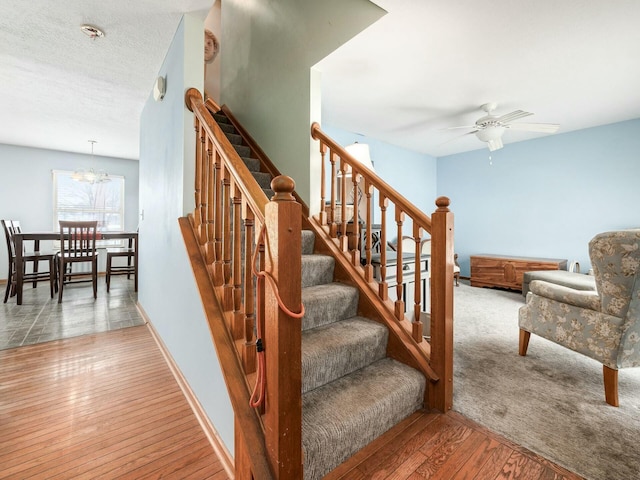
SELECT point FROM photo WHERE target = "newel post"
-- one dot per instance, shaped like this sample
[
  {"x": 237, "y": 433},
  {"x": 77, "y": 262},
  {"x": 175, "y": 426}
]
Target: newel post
[
  {"x": 282, "y": 336},
  {"x": 442, "y": 303}
]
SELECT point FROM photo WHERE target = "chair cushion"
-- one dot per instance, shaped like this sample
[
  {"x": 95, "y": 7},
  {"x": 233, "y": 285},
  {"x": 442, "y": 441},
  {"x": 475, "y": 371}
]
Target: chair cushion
[{"x": 577, "y": 281}]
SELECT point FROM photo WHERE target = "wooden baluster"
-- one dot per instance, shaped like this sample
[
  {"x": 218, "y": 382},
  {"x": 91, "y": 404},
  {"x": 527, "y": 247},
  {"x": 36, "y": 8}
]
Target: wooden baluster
[
  {"x": 211, "y": 188},
  {"x": 368, "y": 268},
  {"x": 399, "y": 305},
  {"x": 238, "y": 314},
  {"x": 344, "y": 244},
  {"x": 283, "y": 336},
  {"x": 260, "y": 294},
  {"x": 442, "y": 303},
  {"x": 355, "y": 235},
  {"x": 221, "y": 216},
  {"x": 227, "y": 246},
  {"x": 204, "y": 194},
  {"x": 416, "y": 327},
  {"x": 249, "y": 350},
  {"x": 333, "y": 226},
  {"x": 383, "y": 286},
  {"x": 323, "y": 212},
  {"x": 198, "y": 178}
]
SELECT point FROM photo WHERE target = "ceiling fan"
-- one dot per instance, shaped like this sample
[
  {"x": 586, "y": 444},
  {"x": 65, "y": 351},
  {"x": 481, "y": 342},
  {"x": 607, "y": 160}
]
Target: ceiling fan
[{"x": 490, "y": 128}]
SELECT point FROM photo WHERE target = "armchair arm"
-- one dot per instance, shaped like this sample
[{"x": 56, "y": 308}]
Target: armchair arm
[{"x": 579, "y": 298}]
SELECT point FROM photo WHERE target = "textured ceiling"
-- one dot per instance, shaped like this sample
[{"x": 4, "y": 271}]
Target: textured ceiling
[
  {"x": 425, "y": 66},
  {"x": 429, "y": 65},
  {"x": 60, "y": 88}
]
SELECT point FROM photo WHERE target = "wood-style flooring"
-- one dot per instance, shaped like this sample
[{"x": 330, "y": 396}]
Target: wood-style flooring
[
  {"x": 99, "y": 406},
  {"x": 106, "y": 406}
]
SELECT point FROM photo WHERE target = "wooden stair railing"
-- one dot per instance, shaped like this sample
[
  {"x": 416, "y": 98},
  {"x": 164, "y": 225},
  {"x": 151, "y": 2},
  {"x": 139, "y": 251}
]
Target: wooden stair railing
[
  {"x": 221, "y": 236},
  {"x": 333, "y": 221}
]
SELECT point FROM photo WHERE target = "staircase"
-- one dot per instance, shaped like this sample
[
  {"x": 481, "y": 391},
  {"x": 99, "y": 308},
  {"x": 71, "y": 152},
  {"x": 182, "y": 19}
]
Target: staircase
[{"x": 351, "y": 391}]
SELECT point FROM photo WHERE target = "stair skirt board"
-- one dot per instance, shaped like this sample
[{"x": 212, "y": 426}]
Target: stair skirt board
[{"x": 352, "y": 392}]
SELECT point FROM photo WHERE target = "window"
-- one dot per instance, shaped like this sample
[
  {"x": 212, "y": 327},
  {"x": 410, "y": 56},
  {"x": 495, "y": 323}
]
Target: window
[{"x": 74, "y": 200}]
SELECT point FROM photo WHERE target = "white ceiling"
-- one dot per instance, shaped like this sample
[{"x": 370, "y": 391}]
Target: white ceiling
[
  {"x": 429, "y": 65},
  {"x": 59, "y": 88},
  {"x": 425, "y": 66}
]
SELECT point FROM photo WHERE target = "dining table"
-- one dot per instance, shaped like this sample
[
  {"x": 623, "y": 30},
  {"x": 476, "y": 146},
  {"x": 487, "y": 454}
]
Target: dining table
[{"x": 37, "y": 237}]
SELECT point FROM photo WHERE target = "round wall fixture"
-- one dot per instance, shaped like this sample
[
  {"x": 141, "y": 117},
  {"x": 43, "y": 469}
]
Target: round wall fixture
[
  {"x": 91, "y": 31},
  {"x": 159, "y": 89}
]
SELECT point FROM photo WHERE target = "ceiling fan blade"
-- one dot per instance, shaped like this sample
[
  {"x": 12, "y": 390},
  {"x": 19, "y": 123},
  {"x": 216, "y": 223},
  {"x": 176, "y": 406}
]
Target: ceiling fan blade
[
  {"x": 515, "y": 115},
  {"x": 458, "y": 136},
  {"x": 534, "y": 127},
  {"x": 462, "y": 126}
]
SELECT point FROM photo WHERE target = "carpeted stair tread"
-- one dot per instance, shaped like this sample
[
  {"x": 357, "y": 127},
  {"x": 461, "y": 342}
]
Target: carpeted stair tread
[
  {"x": 316, "y": 269},
  {"x": 327, "y": 303},
  {"x": 343, "y": 416},
  {"x": 226, "y": 127},
  {"x": 308, "y": 242},
  {"x": 242, "y": 150},
  {"x": 221, "y": 118},
  {"x": 269, "y": 193},
  {"x": 332, "y": 351},
  {"x": 234, "y": 138},
  {"x": 263, "y": 179},
  {"x": 253, "y": 164}
]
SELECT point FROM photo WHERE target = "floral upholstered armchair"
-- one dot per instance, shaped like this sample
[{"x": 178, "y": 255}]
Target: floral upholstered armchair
[{"x": 603, "y": 325}]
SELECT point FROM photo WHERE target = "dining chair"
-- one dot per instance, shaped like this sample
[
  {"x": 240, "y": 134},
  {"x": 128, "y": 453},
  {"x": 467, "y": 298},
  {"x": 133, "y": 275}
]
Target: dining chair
[
  {"x": 131, "y": 268},
  {"x": 77, "y": 246},
  {"x": 32, "y": 275}
]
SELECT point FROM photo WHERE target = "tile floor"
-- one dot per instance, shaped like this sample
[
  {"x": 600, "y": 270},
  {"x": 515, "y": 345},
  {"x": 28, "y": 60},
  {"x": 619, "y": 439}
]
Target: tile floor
[{"x": 41, "y": 318}]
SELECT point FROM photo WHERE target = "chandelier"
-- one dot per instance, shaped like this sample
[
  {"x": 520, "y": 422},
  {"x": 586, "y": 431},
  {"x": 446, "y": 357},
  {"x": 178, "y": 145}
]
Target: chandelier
[{"x": 92, "y": 175}]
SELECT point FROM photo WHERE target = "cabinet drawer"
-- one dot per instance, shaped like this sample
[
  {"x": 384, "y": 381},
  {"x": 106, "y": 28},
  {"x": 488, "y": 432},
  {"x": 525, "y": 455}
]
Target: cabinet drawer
[{"x": 507, "y": 272}]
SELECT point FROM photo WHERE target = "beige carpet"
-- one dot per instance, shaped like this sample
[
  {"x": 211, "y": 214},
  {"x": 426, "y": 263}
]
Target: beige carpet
[{"x": 551, "y": 401}]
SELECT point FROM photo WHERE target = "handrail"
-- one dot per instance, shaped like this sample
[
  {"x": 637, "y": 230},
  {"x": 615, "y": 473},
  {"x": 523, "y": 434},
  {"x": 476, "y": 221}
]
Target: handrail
[
  {"x": 230, "y": 210},
  {"x": 250, "y": 189},
  {"x": 369, "y": 176},
  {"x": 341, "y": 222},
  {"x": 265, "y": 161}
]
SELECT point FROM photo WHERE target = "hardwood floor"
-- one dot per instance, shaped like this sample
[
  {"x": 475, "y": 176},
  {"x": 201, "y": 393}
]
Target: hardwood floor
[
  {"x": 106, "y": 406},
  {"x": 98, "y": 406},
  {"x": 446, "y": 446}
]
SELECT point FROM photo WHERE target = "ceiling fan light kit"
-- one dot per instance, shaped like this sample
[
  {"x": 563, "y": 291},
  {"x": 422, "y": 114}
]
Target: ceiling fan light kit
[{"x": 490, "y": 128}]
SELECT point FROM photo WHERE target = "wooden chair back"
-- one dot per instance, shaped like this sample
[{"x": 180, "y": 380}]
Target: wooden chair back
[{"x": 78, "y": 239}]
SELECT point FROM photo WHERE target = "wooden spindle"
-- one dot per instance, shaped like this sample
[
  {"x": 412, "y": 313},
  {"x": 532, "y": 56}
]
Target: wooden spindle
[
  {"x": 368, "y": 268},
  {"x": 344, "y": 243},
  {"x": 323, "y": 212},
  {"x": 238, "y": 314},
  {"x": 211, "y": 211},
  {"x": 198, "y": 177},
  {"x": 383, "y": 287},
  {"x": 204, "y": 193},
  {"x": 399, "y": 305},
  {"x": 249, "y": 348},
  {"x": 221, "y": 195},
  {"x": 225, "y": 233},
  {"x": 416, "y": 324},
  {"x": 355, "y": 252},
  {"x": 333, "y": 227}
]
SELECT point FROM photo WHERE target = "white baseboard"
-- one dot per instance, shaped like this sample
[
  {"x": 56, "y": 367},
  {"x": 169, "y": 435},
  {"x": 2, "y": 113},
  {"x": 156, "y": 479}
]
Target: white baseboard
[{"x": 209, "y": 430}]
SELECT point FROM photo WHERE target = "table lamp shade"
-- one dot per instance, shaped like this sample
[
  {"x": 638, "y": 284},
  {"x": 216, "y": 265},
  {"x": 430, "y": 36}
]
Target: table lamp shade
[{"x": 360, "y": 151}]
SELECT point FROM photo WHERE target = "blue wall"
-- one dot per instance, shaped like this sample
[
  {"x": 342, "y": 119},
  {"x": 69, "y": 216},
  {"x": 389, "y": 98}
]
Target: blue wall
[
  {"x": 545, "y": 197},
  {"x": 168, "y": 292},
  {"x": 412, "y": 174},
  {"x": 27, "y": 188}
]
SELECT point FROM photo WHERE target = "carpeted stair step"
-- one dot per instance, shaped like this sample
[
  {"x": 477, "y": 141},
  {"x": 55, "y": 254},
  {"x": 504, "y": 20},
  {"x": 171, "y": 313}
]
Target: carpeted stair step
[
  {"x": 332, "y": 351},
  {"x": 221, "y": 118},
  {"x": 263, "y": 179},
  {"x": 253, "y": 164},
  {"x": 308, "y": 242},
  {"x": 327, "y": 303},
  {"x": 340, "y": 418},
  {"x": 242, "y": 150},
  {"x": 316, "y": 269},
  {"x": 269, "y": 193},
  {"x": 227, "y": 127},
  {"x": 234, "y": 138}
]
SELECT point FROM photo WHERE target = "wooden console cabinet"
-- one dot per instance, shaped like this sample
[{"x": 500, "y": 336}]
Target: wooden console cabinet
[{"x": 506, "y": 272}]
